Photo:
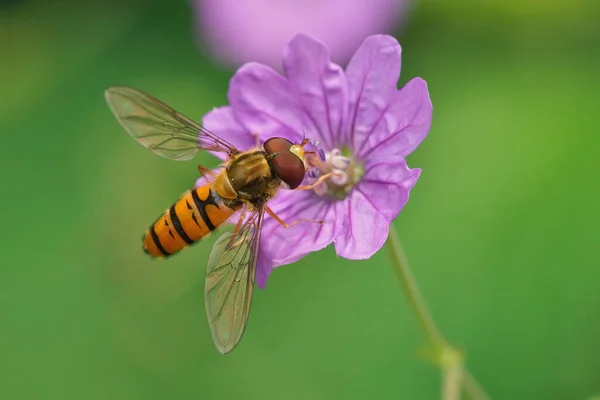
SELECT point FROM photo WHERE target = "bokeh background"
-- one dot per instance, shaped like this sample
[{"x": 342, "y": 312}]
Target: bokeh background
[{"x": 501, "y": 230}]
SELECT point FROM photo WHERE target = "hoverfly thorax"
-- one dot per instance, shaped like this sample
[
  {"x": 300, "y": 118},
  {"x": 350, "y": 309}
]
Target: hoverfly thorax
[
  {"x": 249, "y": 174},
  {"x": 286, "y": 160}
]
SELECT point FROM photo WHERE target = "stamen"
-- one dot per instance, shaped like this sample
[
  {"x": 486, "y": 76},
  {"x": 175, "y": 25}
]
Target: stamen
[
  {"x": 320, "y": 189},
  {"x": 313, "y": 173},
  {"x": 321, "y": 154},
  {"x": 339, "y": 177},
  {"x": 340, "y": 162},
  {"x": 341, "y": 173},
  {"x": 316, "y": 162}
]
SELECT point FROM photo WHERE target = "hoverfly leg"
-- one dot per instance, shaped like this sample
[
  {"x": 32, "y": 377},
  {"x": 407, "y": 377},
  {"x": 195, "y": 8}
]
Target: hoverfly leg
[
  {"x": 318, "y": 182},
  {"x": 240, "y": 221},
  {"x": 257, "y": 139},
  {"x": 205, "y": 172},
  {"x": 286, "y": 225}
]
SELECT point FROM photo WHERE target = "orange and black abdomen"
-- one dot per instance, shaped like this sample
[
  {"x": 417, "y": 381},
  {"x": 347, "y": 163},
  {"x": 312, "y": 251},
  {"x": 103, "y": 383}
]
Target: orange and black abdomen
[{"x": 196, "y": 214}]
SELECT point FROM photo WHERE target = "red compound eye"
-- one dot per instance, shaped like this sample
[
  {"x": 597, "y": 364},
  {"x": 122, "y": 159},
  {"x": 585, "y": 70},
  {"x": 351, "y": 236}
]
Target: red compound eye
[
  {"x": 289, "y": 167},
  {"x": 277, "y": 144}
]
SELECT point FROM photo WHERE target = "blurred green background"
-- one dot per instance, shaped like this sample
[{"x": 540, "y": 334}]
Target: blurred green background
[{"x": 501, "y": 230}]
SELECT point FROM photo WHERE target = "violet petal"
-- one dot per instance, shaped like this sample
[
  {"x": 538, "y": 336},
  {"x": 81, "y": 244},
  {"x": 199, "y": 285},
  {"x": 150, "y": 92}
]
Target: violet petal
[
  {"x": 373, "y": 74},
  {"x": 263, "y": 103},
  {"x": 403, "y": 125},
  {"x": 223, "y": 124},
  {"x": 281, "y": 246},
  {"x": 364, "y": 229},
  {"x": 320, "y": 86},
  {"x": 256, "y": 30},
  {"x": 387, "y": 186}
]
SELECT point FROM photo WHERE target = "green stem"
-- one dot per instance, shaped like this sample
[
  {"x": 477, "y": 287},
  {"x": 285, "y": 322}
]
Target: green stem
[
  {"x": 410, "y": 288},
  {"x": 451, "y": 381},
  {"x": 439, "y": 351},
  {"x": 472, "y": 387}
]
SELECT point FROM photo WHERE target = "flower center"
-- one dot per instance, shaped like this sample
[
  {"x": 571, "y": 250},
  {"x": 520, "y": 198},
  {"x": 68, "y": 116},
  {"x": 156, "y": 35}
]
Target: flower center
[{"x": 345, "y": 169}]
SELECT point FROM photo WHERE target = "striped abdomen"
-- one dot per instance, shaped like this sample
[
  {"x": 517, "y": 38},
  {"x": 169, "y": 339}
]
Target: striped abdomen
[{"x": 197, "y": 213}]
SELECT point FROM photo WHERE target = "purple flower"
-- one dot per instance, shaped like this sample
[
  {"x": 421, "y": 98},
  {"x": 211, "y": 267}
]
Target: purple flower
[
  {"x": 364, "y": 127},
  {"x": 257, "y": 30}
]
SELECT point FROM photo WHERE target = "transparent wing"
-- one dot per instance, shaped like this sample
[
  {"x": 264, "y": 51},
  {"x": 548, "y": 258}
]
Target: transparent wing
[
  {"x": 230, "y": 282},
  {"x": 160, "y": 128}
]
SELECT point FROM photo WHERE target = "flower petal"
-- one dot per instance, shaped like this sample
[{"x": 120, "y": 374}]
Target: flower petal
[
  {"x": 281, "y": 246},
  {"x": 263, "y": 103},
  {"x": 373, "y": 74},
  {"x": 364, "y": 229},
  {"x": 239, "y": 31},
  {"x": 222, "y": 123},
  {"x": 387, "y": 186},
  {"x": 403, "y": 125},
  {"x": 320, "y": 86}
]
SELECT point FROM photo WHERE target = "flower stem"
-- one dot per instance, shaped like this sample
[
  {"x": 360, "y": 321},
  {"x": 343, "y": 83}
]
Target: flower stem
[{"x": 439, "y": 351}]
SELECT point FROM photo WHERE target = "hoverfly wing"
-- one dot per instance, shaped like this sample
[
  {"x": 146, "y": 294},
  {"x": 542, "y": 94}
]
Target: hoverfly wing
[
  {"x": 160, "y": 128},
  {"x": 230, "y": 282}
]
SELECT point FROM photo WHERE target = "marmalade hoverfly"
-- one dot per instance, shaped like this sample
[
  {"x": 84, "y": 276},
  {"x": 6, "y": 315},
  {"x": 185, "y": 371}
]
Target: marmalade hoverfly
[{"x": 247, "y": 181}]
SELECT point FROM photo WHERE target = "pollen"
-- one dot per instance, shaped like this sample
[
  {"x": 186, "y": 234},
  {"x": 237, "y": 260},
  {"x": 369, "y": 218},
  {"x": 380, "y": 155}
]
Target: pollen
[{"x": 346, "y": 173}]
